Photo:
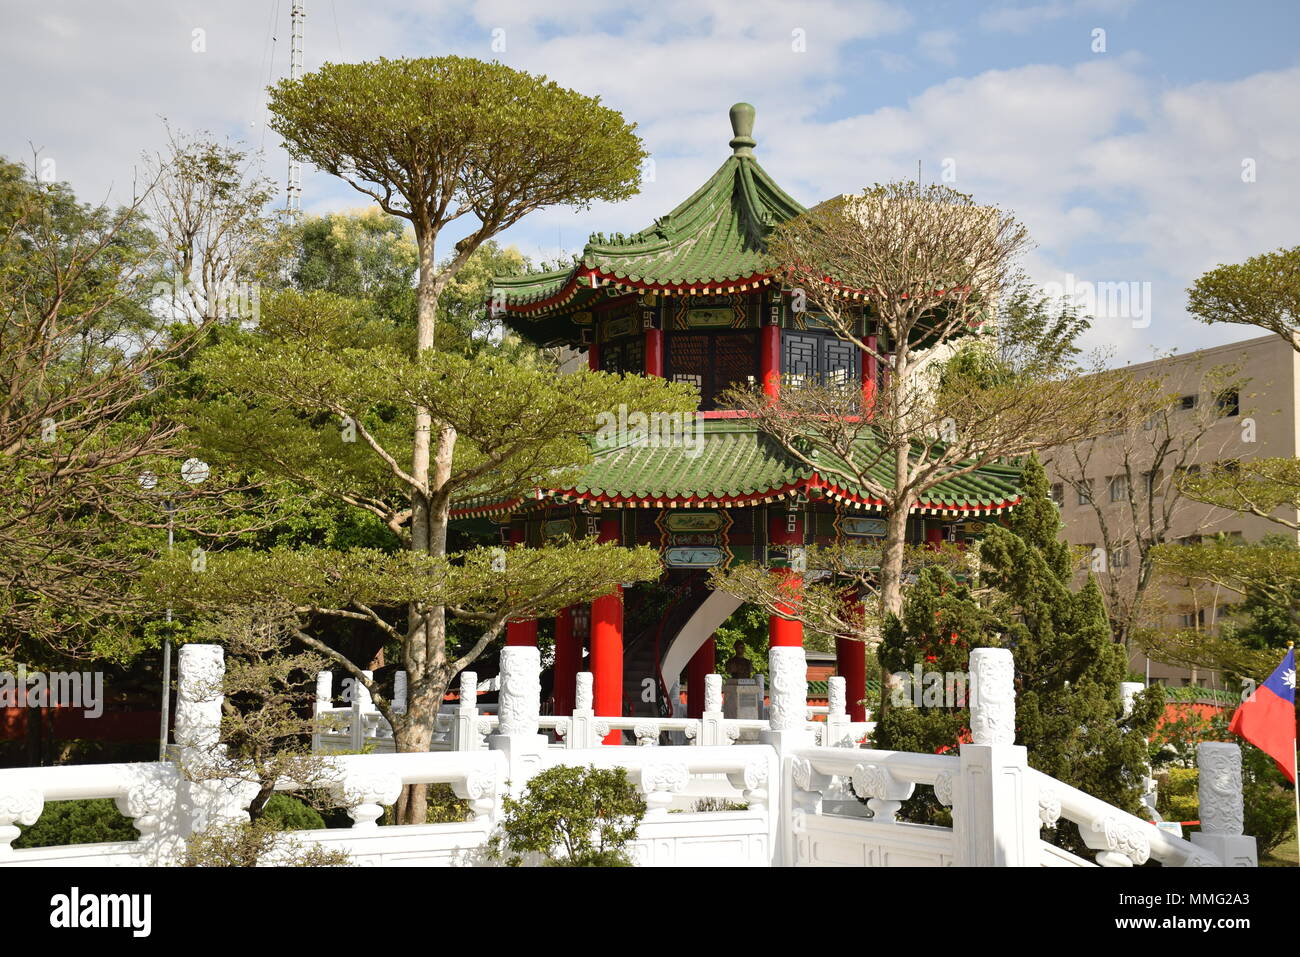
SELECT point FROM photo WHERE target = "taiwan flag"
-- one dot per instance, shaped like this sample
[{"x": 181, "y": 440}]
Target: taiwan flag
[{"x": 1267, "y": 718}]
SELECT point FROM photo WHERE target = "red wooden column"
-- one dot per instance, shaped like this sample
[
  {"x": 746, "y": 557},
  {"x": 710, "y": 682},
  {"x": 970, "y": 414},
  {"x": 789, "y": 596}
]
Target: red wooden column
[
  {"x": 568, "y": 660},
  {"x": 654, "y": 352},
  {"x": 520, "y": 632},
  {"x": 870, "y": 370},
  {"x": 593, "y": 354},
  {"x": 607, "y": 641},
  {"x": 702, "y": 663},
  {"x": 851, "y": 665},
  {"x": 770, "y": 360},
  {"x": 934, "y": 537},
  {"x": 785, "y": 631}
]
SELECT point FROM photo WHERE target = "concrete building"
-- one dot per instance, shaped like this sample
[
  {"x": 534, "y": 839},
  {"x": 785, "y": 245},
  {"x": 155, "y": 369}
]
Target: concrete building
[{"x": 1118, "y": 493}]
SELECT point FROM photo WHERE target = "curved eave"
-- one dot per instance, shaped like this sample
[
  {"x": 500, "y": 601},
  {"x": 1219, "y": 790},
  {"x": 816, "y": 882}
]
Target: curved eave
[{"x": 814, "y": 483}]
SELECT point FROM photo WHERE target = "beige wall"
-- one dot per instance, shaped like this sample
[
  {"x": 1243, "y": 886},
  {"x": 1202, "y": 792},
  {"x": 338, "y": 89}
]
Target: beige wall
[{"x": 1268, "y": 402}]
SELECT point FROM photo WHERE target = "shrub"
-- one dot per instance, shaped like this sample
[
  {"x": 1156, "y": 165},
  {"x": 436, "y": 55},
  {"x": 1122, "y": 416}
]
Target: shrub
[
  {"x": 572, "y": 817},
  {"x": 90, "y": 821},
  {"x": 259, "y": 844},
  {"x": 288, "y": 813}
]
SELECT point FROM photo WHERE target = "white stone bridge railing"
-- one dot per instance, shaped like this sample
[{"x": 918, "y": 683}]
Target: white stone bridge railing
[
  {"x": 360, "y": 727},
  {"x": 786, "y": 801}
]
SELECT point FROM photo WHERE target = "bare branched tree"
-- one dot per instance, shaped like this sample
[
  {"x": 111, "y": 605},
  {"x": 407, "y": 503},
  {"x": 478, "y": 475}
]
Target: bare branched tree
[
  {"x": 909, "y": 274},
  {"x": 1132, "y": 482}
]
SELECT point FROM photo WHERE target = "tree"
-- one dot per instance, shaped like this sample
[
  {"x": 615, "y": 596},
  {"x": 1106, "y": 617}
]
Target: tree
[
  {"x": 931, "y": 267},
  {"x": 1263, "y": 291},
  {"x": 366, "y": 255},
  {"x": 1267, "y": 573},
  {"x": 1151, "y": 456},
  {"x": 208, "y": 205},
  {"x": 572, "y": 817},
  {"x": 433, "y": 140},
  {"x": 1070, "y": 715},
  {"x": 324, "y": 397},
  {"x": 81, "y": 358}
]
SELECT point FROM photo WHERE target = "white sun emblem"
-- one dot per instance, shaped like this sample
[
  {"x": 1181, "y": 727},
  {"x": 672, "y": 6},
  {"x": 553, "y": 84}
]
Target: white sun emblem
[{"x": 1288, "y": 678}]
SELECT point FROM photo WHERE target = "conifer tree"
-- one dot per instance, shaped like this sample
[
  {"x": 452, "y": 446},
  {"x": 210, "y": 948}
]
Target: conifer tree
[{"x": 1069, "y": 707}]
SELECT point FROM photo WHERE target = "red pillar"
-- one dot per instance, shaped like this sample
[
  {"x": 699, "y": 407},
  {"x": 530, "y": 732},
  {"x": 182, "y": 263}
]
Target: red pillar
[
  {"x": 607, "y": 642},
  {"x": 770, "y": 360},
  {"x": 593, "y": 355},
  {"x": 870, "y": 369},
  {"x": 785, "y": 631},
  {"x": 520, "y": 632},
  {"x": 654, "y": 352},
  {"x": 702, "y": 663},
  {"x": 851, "y": 665},
  {"x": 934, "y": 537},
  {"x": 568, "y": 659}
]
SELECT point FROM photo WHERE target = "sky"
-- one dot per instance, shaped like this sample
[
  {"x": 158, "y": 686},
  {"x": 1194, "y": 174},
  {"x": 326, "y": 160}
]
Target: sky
[{"x": 1141, "y": 142}]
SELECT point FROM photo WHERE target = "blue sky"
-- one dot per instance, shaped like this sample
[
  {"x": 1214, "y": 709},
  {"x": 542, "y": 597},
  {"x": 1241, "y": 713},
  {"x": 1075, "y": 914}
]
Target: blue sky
[{"x": 1125, "y": 162}]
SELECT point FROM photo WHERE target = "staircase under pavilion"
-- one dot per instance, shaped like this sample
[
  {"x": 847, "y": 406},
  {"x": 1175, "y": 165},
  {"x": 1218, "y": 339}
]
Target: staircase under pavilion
[{"x": 688, "y": 299}]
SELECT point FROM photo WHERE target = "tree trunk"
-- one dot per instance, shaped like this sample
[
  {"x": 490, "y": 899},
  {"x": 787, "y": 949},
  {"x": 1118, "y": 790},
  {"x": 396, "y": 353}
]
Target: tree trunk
[{"x": 893, "y": 551}]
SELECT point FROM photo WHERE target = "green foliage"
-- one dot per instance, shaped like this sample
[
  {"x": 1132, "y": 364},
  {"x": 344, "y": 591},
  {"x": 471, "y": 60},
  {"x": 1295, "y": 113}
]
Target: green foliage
[
  {"x": 1263, "y": 291},
  {"x": 743, "y": 635},
  {"x": 85, "y": 821},
  {"x": 436, "y": 137},
  {"x": 572, "y": 817},
  {"x": 1177, "y": 798},
  {"x": 290, "y": 814},
  {"x": 1069, "y": 709}
]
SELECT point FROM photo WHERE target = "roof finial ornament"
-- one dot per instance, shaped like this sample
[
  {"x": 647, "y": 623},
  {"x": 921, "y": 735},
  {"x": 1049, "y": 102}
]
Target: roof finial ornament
[{"x": 742, "y": 124}]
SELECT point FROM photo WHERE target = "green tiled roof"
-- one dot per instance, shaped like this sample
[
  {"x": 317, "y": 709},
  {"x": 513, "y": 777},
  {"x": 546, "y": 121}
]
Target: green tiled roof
[
  {"x": 714, "y": 240},
  {"x": 734, "y": 463}
]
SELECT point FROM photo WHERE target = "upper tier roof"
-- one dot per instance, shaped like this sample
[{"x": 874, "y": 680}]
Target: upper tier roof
[{"x": 712, "y": 242}]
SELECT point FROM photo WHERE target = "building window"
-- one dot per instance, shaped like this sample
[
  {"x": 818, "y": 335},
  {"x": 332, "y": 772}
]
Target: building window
[
  {"x": 1194, "y": 619},
  {"x": 1119, "y": 556},
  {"x": 1119, "y": 488},
  {"x": 1084, "y": 490},
  {"x": 1187, "y": 402},
  {"x": 1191, "y": 540},
  {"x": 1228, "y": 402},
  {"x": 1151, "y": 482},
  {"x": 1058, "y": 494}
]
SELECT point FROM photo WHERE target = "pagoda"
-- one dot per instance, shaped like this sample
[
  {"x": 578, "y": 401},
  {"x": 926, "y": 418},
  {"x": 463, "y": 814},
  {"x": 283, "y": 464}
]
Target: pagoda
[{"x": 690, "y": 298}]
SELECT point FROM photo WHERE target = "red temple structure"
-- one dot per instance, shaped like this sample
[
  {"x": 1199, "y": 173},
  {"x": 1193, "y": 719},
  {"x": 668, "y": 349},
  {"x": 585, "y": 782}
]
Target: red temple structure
[{"x": 688, "y": 298}]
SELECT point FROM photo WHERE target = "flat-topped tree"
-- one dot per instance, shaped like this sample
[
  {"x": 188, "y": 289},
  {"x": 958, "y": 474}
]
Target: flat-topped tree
[{"x": 439, "y": 139}]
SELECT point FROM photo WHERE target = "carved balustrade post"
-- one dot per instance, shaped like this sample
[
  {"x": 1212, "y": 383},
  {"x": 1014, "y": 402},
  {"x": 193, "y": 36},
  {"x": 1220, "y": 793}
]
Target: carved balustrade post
[
  {"x": 1222, "y": 809},
  {"x": 518, "y": 710},
  {"x": 995, "y": 799},
  {"x": 582, "y": 725},
  {"x": 836, "y": 733},
  {"x": 467, "y": 733},
  {"x": 714, "y": 731}
]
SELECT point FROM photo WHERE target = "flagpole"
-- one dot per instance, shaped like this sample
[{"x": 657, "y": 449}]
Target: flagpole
[{"x": 1295, "y": 779}]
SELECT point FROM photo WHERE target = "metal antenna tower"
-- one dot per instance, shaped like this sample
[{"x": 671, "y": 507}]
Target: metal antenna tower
[{"x": 297, "y": 16}]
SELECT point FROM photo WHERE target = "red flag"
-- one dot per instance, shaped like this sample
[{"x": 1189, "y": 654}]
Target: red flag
[{"x": 1267, "y": 718}]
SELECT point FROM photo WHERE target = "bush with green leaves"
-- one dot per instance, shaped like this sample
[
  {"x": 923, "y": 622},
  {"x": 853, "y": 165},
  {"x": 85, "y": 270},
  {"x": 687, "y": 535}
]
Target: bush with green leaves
[
  {"x": 90, "y": 821},
  {"x": 571, "y": 817}
]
